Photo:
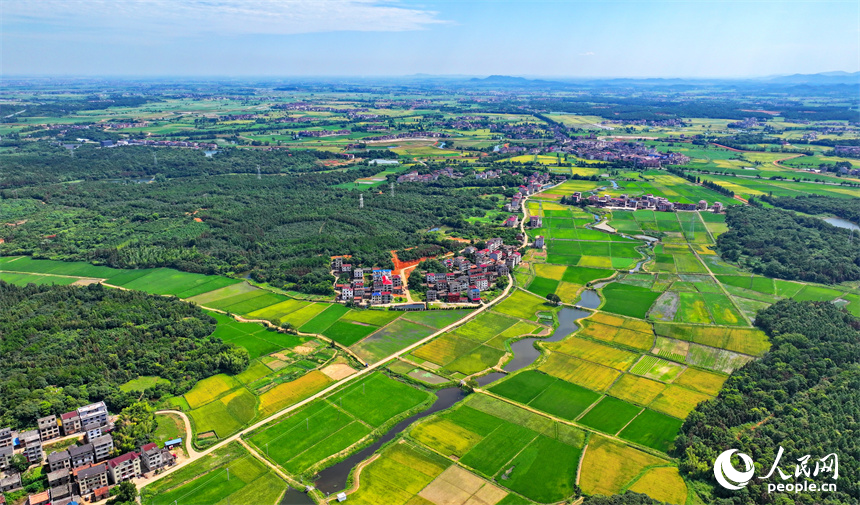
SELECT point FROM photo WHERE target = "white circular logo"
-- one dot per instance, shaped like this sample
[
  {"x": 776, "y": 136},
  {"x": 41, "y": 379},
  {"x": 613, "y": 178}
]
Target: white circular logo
[{"x": 725, "y": 472}]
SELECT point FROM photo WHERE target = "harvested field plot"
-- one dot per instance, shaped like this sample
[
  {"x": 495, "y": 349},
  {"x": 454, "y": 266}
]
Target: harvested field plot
[
  {"x": 552, "y": 272},
  {"x": 677, "y": 401},
  {"x": 652, "y": 429},
  {"x": 742, "y": 340},
  {"x": 638, "y": 390},
  {"x": 610, "y": 415},
  {"x": 458, "y": 486},
  {"x": 592, "y": 328},
  {"x": 394, "y": 337},
  {"x": 584, "y": 373},
  {"x": 608, "y": 467},
  {"x": 657, "y": 369},
  {"x": 665, "y": 307},
  {"x": 692, "y": 309}
]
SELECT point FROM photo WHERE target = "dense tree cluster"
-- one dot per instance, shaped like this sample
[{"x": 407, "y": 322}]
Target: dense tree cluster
[
  {"x": 782, "y": 244},
  {"x": 280, "y": 230},
  {"x": 40, "y": 163},
  {"x": 628, "y": 498},
  {"x": 846, "y": 208},
  {"x": 68, "y": 346},
  {"x": 802, "y": 396}
]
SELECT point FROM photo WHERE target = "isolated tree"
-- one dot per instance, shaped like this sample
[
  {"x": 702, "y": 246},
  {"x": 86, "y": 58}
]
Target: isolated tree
[{"x": 552, "y": 297}]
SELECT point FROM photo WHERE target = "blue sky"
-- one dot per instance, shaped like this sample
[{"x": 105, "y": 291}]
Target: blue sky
[{"x": 562, "y": 38}]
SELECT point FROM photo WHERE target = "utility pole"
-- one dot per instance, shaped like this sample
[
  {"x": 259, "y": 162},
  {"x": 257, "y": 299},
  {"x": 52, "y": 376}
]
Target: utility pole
[
  {"x": 258, "y": 173},
  {"x": 361, "y": 201},
  {"x": 392, "y": 189}
]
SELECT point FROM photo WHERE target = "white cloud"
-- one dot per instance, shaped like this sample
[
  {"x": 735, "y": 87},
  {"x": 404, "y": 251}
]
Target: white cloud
[
  {"x": 589, "y": 53},
  {"x": 225, "y": 17}
]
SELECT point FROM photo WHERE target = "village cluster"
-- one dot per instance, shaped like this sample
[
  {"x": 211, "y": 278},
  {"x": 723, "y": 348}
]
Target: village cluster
[
  {"x": 466, "y": 278},
  {"x": 84, "y": 471},
  {"x": 649, "y": 202}
]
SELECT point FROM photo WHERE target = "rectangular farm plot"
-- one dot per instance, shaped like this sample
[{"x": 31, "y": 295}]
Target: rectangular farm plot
[
  {"x": 545, "y": 471},
  {"x": 347, "y": 332},
  {"x": 304, "y": 314},
  {"x": 210, "y": 388},
  {"x": 715, "y": 359},
  {"x": 485, "y": 326},
  {"x": 584, "y": 373},
  {"x": 279, "y": 310},
  {"x": 378, "y": 398},
  {"x": 626, "y": 300},
  {"x": 226, "y": 415},
  {"x": 436, "y": 318},
  {"x": 319, "y": 428},
  {"x": 623, "y": 336},
  {"x": 548, "y": 271},
  {"x": 542, "y": 287},
  {"x": 565, "y": 400},
  {"x": 657, "y": 369},
  {"x": 723, "y": 310},
  {"x": 206, "y": 299},
  {"x": 675, "y": 350},
  {"x": 610, "y": 415},
  {"x": 743, "y": 340},
  {"x": 598, "y": 353},
  {"x": 445, "y": 349},
  {"x": 458, "y": 486},
  {"x": 497, "y": 448},
  {"x": 653, "y": 429},
  {"x": 523, "y": 387},
  {"x": 288, "y": 393},
  {"x": 663, "y": 484},
  {"x": 374, "y": 317},
  {"x": 692, "y": 309},
  {"x": 478, "y": 359},
  {"x": 608, "y": 467},
  {"x": 635, "y": 389},
  {"x": 325, "y": 319},
  {"x": 401, "y": 471},
  {"x": 677, "y": 401},
  {"x": 386, "y": 341},
  {"x": 523, "y": 305},
  {"x": 699, "y": 380}
]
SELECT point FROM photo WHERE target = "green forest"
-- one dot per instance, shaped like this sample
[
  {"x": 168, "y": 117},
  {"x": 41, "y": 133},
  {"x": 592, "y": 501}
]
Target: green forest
[
  {"x": 67, "y": 346},
  {"x": 846, "y": 208},
  {"x": 785, "y": 245},
  {"x": 802, "y": 395},
  {"x": 279, "y": 230}
]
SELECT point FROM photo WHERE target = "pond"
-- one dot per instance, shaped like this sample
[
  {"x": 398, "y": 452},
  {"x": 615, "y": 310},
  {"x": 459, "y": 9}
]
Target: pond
[{"x": 842, "y": 223}]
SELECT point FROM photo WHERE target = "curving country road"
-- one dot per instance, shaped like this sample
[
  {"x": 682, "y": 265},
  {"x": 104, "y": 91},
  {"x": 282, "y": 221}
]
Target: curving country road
[{"x": 189, "y": 433}]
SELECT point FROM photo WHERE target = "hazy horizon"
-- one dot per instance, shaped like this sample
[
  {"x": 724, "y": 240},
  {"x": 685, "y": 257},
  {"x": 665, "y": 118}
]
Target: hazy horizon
[{"x": 400, "y": 38}]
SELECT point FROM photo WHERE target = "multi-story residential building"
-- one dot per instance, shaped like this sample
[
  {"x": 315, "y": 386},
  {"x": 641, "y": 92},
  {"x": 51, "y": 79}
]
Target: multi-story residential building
[
  {"x": 48, "y": 427},
  {"x": 535, "y": 221},
  {"x": 386, "y": 297},
  {"x": 6, "y": 437},
  {"x": 102, "y": 446},
  {"x": 43, "y": 498},
  {"x": 124, "y": 467},
  {"x": 90, "y": 477},
  {"x": 6, "y": 457},
  {"x": 32, "y": 444},
  {"x": 61, "y": 491},
  {"x": 58, "y": 460},
  {"x": 93, "y": 416},
  {"x": 82, "y": 455},
  {"x": 539, "y": 241},
  {"x": 153, "y": 458},
  {"x": 12, "y": 482},
  {"x": 70, "y": 422},
  {"x": 431, "y": 295},
  {"x": 60, "y": 477}
]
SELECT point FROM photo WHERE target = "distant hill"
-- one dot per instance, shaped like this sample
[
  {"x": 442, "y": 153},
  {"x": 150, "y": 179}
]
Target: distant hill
[{"x": 818, "y": 79}]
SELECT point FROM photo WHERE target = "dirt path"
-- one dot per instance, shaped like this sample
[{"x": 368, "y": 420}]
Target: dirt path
[
  {"x": 777, "y": 162},
  {"x": 189, "y": 433},
  {"x": 356, "y": 476}
]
